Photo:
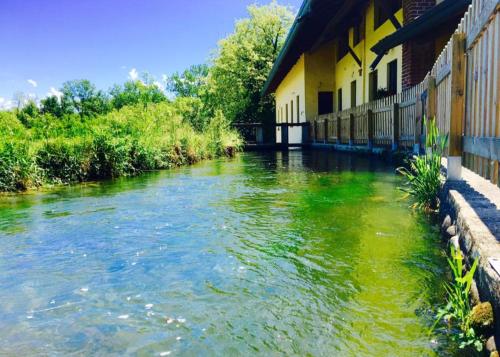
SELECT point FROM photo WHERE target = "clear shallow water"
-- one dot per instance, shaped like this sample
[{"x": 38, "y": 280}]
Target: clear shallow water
[{"x": 269, "y": 254}]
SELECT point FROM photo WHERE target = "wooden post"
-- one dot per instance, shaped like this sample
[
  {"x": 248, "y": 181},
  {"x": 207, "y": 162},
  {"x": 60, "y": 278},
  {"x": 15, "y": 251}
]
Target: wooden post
[
  {"x": 339, "y": 130},
  {"x": 315, "y": 130},
  {"x": 395, "y": 126},
  {"x": 431, "y": 98},
  {"x": 457, "y": 108},
  {"x": 418, "y": 123},
  {"x": 351, "y": 129},
  {"x": 326, "y": 130},
  {"x": 369, "y": 115}
]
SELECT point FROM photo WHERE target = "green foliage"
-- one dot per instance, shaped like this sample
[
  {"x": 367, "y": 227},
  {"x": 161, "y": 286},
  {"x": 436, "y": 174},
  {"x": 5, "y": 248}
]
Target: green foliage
[
  {"x": 423, "y": 177},
  {"x": 28, "y": 113},
  {"x": 190, "y": 83},
  {"x": 52, "y": 105},
  {"x": 121, "y": 143},
  {"x": 135, "y": 92},
  {"x": 17, "y": 167},
  {"x": 457, "y": 311},
  {"x": 82, "y": 97},
  {"x": 244, "y": 60}
]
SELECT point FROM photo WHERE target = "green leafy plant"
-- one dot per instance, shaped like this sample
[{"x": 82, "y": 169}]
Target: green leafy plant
[
  {"x": 457, "y": 312},
  {"x": 423, "y": 176}
]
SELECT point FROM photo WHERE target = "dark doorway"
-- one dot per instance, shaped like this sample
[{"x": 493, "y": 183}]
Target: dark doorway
[
  {"x": 353, "y": 94},
  {"x": 325, "y": 103}
]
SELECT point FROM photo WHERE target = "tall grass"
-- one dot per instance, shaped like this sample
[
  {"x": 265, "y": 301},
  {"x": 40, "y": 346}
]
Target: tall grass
[
  {"x": 122, "y": 143},
  {"x": 457, "y": 311},
  {"x": 423, "y": 177}
]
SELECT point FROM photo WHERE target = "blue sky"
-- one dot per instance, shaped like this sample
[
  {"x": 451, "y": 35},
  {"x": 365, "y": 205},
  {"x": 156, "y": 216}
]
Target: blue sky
[{"x": 46, "y": 42}]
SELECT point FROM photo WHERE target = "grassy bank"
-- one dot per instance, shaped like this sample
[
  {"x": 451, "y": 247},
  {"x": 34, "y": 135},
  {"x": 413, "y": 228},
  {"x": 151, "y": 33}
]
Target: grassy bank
[{"x": 121, "y": 143}]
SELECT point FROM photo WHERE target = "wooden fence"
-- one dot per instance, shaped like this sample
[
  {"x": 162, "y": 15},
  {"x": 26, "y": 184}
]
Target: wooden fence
[{"x": 461, "y": 91}]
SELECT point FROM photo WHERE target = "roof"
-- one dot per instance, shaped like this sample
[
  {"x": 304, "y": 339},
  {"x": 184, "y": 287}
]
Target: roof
[
  {"x": 313, "y": 17},
  {"x": 431, "y": 19}
]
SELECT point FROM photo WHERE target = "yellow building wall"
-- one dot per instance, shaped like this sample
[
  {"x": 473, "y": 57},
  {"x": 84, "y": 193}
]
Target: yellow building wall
[
  {"x": 320, "y": 71},
  {"x": 293, "y": 85},
  {"x": 319, "y": 76},
  {"x": 347, "y": 70}
]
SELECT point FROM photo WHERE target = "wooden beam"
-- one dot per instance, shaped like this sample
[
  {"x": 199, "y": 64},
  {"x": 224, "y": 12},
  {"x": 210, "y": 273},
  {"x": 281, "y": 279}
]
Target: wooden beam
[
  {"x": 387, "y": 10},
  {"x": 489, "y": 148},
  {"x": 356, "y": 58},
  {"x": 457, "y": 108}
]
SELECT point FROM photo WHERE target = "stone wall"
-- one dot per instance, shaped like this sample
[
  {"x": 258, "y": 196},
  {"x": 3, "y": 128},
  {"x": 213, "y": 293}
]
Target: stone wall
[{"x": 471, "y": 221}]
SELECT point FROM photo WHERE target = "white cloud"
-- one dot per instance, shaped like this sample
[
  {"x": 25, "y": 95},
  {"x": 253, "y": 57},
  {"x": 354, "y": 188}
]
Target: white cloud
[
  {"x": 164, "y": 77},
  {"x": 133, "y": 74},
  {"x": 33, "y": 83},
  {"x": 6, "y": 104},
  {"x": 160, "y": 85},
  {"x": 55, "y": 93}
]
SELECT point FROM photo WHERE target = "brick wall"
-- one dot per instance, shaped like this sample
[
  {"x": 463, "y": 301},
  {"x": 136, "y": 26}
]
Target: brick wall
[{"x": 418, "y": 54}]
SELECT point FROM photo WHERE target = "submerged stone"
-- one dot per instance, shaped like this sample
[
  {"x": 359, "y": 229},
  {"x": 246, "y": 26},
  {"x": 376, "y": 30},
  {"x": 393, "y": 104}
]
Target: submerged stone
[{"x": 482, "y": 316}]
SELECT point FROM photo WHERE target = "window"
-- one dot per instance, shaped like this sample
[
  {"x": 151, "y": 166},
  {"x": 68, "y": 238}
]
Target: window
[
  {"x": 357, "y": 33},
  {"x": 298, "y": 109},
  {"x": 325, "y": 103},
  {"x": 343, "y": 45},
  {"x": 353, "y": 94},
  {"x": 392, "y": 77},
  {"x": 286, "y": 113},
  {"x": 384, "y": 8},
  {"x": 373, "y": 83},
  {"x": 291, "y": 111},
  {"x": 339, "y": 99}
]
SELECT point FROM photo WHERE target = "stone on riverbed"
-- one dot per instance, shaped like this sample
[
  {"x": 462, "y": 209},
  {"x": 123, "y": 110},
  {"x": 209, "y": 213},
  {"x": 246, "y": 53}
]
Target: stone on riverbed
[
  {"x": 454, "y": 242},
  {"x": 446, "y": 223},
  {"x": 491, "y": 345},
  {"x": 451, "y": 231},
  {"x": 482, "y": 316}
]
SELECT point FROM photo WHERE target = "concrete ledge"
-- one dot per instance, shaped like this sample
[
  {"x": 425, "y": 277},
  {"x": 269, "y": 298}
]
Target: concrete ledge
[{"x": 474, "y": 205}]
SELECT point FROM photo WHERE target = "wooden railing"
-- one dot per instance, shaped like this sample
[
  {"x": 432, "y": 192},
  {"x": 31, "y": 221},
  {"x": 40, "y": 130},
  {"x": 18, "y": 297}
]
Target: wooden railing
[{"x": 461, "y": 91}]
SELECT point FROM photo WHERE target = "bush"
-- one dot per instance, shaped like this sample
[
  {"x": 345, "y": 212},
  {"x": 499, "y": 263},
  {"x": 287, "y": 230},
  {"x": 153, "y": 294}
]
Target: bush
[
  {"x": 423, "y": 177},
  {"x": 122, "y": 143},
  {"x": 64, "y": 160},
  {"x": 18, "y": 170}
]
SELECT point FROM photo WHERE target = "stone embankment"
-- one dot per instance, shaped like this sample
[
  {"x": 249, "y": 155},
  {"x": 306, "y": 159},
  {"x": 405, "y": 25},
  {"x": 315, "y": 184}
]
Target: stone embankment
[{"x": 470, "y": 211}]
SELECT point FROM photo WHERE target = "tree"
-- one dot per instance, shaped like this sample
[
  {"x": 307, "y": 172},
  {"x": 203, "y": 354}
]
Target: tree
[
  {"x": 53, "y": 105},
  {"x": 135, "y": 92},
  {"x": 190, "y": 83},
  {"x": 82, "y": 97},
  {"x": 244, "y": 60},
  {"x": 27, "y": 113}
]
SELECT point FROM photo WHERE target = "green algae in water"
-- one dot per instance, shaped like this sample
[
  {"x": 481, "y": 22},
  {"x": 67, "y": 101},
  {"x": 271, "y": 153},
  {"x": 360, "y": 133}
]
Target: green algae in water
[{"x": 298, "y": 253}]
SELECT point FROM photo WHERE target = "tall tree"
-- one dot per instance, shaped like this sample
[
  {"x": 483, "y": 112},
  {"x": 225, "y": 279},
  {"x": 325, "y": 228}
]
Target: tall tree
[
  {"x": 135, "y": 92},
  {"x": 190, "y": 83},
  {"x": 83, "y": 97},
  {"x": 244, "y": 60}
]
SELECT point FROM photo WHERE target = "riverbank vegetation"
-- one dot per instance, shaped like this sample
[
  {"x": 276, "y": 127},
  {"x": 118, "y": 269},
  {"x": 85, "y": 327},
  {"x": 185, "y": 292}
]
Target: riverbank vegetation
[
  {"x": 458, "y": 313},
  {"x": 82, "y": 133},
  {"x": 423, "y": 176}
]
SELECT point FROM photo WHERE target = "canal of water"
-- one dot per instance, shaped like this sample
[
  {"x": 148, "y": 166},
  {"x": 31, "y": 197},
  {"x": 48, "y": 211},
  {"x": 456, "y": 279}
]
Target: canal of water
[{"x": 296, "y": 253}]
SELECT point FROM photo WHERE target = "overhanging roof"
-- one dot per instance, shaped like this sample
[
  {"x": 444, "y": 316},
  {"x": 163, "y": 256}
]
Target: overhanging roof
[
  {"x": 311, "y": 21},
  {"x": 436, "y": 16}
]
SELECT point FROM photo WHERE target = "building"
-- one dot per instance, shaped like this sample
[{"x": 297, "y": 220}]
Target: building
[{"x": 343, "y": 53}]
